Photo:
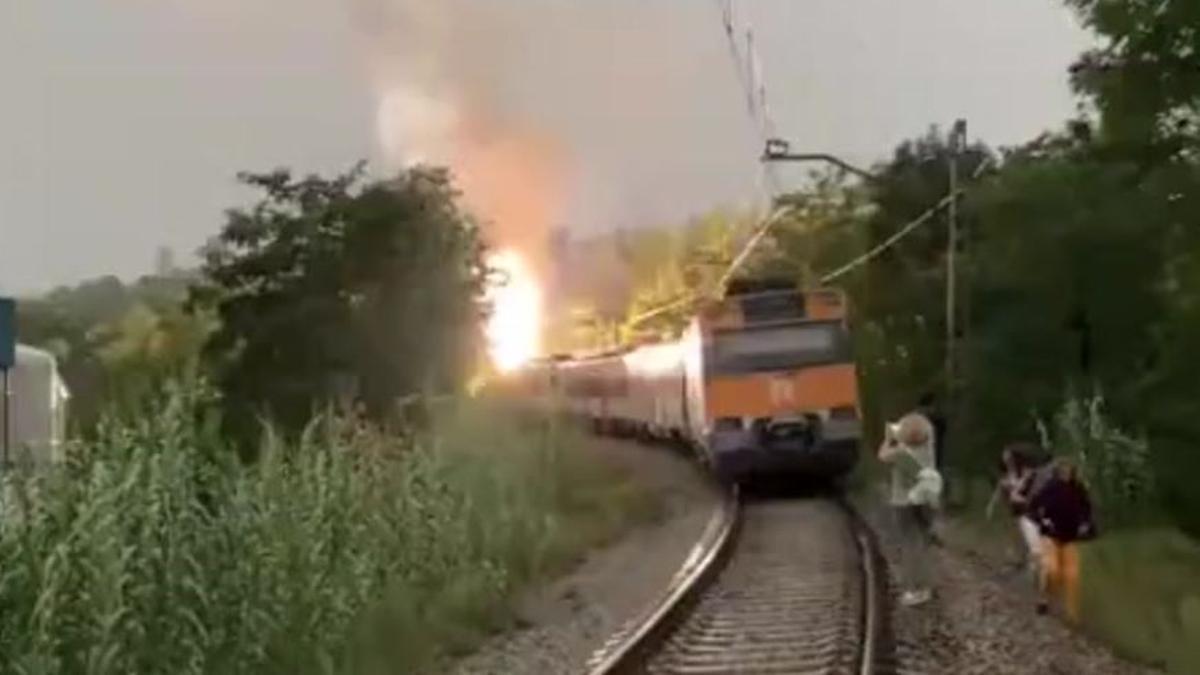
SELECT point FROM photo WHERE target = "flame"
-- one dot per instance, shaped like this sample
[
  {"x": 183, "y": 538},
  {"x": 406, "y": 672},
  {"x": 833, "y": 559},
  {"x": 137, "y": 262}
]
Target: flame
[
  {"x": 511, "y": 177},
  {"x": 514, "y": 330}
]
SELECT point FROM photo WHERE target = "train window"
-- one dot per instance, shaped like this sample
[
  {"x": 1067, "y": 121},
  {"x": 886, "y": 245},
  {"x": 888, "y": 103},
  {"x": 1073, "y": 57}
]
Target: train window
[
  {"x": 772, "y": 348},
  {"x": 773, "y": 307}
]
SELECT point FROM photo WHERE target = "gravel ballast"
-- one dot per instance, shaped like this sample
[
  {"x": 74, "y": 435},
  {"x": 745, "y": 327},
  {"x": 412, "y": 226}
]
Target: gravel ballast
[
  {"x": 982, "y": 620},
  {"x": 565, "y": 621}
]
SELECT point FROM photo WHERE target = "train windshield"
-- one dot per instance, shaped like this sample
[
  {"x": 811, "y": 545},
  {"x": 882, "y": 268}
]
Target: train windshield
[{"x": 751, "y": 350}]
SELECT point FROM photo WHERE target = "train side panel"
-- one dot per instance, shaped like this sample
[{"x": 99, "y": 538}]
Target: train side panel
[
  {"x": 655, "y": 404},
  {"x": 696, "y": 423}
]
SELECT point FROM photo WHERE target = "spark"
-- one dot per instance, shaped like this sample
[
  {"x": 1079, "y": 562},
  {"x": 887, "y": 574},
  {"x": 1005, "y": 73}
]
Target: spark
[{"x": 514, "y": 327}]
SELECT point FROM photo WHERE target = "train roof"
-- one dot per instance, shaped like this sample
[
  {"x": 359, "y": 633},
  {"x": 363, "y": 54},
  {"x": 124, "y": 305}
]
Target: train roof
[
  {"x": 747, "y": 286},
  {"x": 769, "y": 304}
]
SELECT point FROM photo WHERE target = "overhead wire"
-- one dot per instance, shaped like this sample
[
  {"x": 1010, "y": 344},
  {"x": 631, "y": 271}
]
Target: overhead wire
[
  {"x": 904, "y": 231},
  {"x": 750, "y": 76},
  {"x": 747, "y": 66},
  {"x": 749, "y": 71}
]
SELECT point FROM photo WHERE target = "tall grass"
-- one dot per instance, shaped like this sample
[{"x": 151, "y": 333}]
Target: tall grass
[
  {"x": 1115, "y": 464},
  {"x": 1141, "y": 594},
  {"x": 346, "y": 551}
]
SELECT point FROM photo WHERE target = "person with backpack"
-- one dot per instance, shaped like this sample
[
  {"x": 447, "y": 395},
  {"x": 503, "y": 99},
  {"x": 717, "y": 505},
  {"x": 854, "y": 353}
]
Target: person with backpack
[
  {"x": 1063, "y": 512},
  {"x": 1024, "y": 468},
  {"x": 914, "y": 495}
]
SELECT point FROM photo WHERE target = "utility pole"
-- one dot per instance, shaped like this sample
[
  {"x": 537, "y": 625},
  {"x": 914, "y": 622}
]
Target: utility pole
[{"x": 958, "y": 139}]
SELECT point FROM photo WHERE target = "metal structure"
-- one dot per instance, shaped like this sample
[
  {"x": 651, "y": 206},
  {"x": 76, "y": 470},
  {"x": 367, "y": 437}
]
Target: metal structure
[
  {"x": 36, "y": 423},
  {"x": 8, "y": 355},
  {"x": 779, "y": 150}
]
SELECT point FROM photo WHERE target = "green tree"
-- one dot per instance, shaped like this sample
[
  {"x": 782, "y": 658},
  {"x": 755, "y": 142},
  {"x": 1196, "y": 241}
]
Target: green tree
[
  {"x": 100, "y": 331},
  {"x": 1145, "y": 76},
  {"x": 337, "y": 290},
  {"x": 674, "y": 267}
]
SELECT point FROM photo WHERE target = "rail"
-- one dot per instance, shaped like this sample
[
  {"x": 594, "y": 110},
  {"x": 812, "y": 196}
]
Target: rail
[
  {"x": 725, "y": 608},
  {"x": 633, "y": 652}
]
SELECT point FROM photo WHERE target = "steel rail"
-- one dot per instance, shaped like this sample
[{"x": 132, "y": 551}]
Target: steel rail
[
  {"x": 705, "y": 578},
  {"x": 700, "y": 569}
]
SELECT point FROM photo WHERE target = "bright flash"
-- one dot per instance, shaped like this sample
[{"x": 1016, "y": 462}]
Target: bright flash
[{"x": 514, "y": 327}]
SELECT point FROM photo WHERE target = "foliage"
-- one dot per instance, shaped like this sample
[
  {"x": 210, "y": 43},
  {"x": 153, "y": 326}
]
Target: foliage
[
  {"x": 115, "y": 342},
  {"x": 154, "y": 551},
  {"x": 1065, "y": 286},
  {"x": 672, "y": 267},
  {"x": 1145, "y": 76},
  {"x": 1141, "y": 594},
  {"x": 1116, "y": 466},
  {"x": 337, "y": 290}
]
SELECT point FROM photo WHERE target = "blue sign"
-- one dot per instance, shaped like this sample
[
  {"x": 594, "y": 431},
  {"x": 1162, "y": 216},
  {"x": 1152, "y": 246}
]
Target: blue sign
[{"x": 8, "y": 333}]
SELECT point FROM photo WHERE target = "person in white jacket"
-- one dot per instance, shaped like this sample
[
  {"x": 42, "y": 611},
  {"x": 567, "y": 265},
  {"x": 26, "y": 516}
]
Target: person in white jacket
[{"x": 915, "y": 494}]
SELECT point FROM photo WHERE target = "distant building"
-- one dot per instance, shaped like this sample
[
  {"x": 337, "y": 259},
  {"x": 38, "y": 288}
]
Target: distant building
[{"x": 164, "y": 262}]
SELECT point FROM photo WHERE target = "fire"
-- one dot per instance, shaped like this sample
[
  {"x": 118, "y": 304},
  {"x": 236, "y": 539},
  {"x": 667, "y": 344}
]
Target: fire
[{"x": 514, "y": 329}]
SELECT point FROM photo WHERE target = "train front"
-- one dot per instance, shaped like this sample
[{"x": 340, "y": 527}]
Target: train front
[{"x": 780, "y": 389}]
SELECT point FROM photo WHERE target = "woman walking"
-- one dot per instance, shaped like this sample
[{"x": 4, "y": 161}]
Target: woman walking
[{"x": 1063, "y": 512}]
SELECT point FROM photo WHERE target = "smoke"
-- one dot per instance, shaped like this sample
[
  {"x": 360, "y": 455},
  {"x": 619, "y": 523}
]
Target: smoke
[
  {"x": 437, "y": 67},
  {"x": 558, "y": 113}
]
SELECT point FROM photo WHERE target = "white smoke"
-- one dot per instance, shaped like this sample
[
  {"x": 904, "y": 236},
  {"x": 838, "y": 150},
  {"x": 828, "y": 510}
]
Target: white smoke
[{"x": 609, "y": 112}]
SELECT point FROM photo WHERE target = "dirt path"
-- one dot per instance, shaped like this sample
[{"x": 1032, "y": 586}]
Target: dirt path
[{"x": 565, "y": 621}]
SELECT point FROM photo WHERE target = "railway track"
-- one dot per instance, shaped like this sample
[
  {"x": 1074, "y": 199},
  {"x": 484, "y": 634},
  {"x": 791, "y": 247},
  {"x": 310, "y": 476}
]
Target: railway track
[{"x": 793, "y": 586}]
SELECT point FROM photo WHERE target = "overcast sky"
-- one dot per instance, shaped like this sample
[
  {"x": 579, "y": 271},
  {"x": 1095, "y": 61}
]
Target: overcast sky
[{"x": 123, "y": 122}]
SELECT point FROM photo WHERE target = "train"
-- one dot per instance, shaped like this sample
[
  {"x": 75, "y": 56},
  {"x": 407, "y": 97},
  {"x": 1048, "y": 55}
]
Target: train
[{"x": 762, "y": 383}]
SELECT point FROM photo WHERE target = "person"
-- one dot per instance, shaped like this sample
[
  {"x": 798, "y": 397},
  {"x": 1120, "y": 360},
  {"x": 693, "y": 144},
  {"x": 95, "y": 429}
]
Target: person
[
  {"x": 915, "y": 494},
  {"x": 1022, "y": 474},
  {"x": 1063, "y": 512}
]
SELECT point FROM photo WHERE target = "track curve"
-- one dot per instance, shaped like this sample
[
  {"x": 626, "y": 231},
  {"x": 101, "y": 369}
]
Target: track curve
[{"x": 799, "y": 589}]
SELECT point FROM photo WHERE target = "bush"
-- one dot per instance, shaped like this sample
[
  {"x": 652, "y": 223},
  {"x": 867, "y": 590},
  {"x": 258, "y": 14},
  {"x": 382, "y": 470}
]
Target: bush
[
  {"x": 149, "y": 553},
  {"x": 1141, "y": 594},
  {"x": 1115, "y": 464}
]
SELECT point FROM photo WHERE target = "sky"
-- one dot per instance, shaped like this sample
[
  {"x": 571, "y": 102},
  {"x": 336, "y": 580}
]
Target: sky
[{"x": 124, "y": 122}]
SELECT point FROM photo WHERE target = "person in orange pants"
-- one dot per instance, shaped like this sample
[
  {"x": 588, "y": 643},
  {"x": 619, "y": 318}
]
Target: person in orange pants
[{"x": 1063, "y": 512}]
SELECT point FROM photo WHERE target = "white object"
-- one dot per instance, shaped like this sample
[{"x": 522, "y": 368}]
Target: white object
[
  {"x": 1033, "y": 540},
  {"x": 37, "y": 408},
  {"x": 915, "y": 597},
  {"x": 928, "y": 490}
]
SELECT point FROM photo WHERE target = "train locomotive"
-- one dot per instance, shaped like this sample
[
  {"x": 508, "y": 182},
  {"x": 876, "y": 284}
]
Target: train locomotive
[{"x": 762, "y": 383}]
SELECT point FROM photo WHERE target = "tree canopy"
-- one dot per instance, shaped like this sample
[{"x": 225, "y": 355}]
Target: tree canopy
[{"x": 339, "y": 291}]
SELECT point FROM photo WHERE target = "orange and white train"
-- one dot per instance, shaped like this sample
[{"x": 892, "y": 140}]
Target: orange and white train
[{"x": 761, "y": 383}]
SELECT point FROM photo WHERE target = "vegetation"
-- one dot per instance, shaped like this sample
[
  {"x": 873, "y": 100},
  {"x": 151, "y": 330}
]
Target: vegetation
[
  {"x": 1078, "y": 269},
  {"x": 335, "y": 290},
  {"x": 115, "y": 342},
  {"x": 346, "y": 551},
  {"x": 1141, "y": 594},
  {"x": 155, "y": 550}
]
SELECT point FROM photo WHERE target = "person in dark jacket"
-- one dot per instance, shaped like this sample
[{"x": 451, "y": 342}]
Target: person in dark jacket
[
  {"x": 1023, "y": 471},
  {"x": 1063, "y": 513}
]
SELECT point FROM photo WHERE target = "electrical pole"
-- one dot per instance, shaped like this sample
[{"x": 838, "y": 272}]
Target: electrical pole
[{"x": 957, "y": 140}]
